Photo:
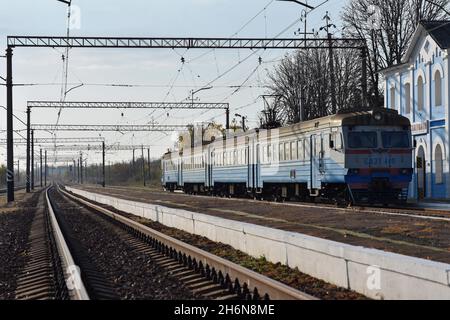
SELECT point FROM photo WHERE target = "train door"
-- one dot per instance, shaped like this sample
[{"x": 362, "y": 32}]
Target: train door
[
  {"x": 314, "y": 181},
  {"x": 257, "y": 173},
  {"x": 205, "y": 163},
  {"x": 248, "y": 155},
  {"x": 164, "y": 173},
  {"x": 180, "y": 172},
  {"x": 421, "y": 174},
  {"x": 209, "y": 168}
]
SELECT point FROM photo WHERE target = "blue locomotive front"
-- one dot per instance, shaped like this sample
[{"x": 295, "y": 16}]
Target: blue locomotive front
[{"x": 378, "y": 157}]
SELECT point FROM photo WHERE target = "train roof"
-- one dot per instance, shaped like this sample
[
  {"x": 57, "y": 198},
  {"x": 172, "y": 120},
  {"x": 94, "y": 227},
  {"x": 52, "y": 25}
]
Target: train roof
[{"x": 380, "y": 116}]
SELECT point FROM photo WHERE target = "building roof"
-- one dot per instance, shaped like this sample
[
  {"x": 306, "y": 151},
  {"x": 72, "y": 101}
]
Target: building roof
[{"x": 439, "y": 31}]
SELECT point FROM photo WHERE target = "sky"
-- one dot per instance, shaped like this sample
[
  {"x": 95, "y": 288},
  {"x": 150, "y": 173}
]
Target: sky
[{"x": 156, "y": 74}]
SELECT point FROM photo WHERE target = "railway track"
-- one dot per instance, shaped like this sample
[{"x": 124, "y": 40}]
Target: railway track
[
  {"x": 45, "y": 274},
  {"x": 204, "y": 275}
]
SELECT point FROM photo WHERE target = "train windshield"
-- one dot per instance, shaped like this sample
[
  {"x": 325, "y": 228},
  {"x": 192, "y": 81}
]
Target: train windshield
[
  {"x": 362, "y": 140},
  {"x": 395, "y": 139}
]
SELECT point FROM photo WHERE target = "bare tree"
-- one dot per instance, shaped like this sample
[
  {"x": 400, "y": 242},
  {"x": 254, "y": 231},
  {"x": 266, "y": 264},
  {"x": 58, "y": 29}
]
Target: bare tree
[
  {"x": 387, "y": 26},
  {"x": 302, "y": 81}
]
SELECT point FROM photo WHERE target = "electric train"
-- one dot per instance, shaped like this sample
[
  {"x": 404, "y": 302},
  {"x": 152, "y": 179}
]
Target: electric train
[{"x": 360, "y": 157}]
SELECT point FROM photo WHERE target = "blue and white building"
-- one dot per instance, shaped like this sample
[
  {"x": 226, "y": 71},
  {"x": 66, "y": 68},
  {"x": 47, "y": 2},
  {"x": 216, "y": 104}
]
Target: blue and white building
[{"x": 418, "y": 88}]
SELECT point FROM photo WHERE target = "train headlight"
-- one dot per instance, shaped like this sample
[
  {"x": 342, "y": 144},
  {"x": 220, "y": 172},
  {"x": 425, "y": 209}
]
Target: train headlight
[
  {"x": 353, "y": 171},
  {"x": 405, "y": 171},
  {"x": 378, "y": 116}
]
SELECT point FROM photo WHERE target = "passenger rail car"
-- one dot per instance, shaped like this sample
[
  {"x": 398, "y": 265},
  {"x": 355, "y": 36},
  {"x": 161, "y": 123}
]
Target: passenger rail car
[{"x": 360, "y": 157}]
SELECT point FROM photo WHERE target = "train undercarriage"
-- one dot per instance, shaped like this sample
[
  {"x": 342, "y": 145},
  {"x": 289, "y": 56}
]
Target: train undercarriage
[{"x": 339, "y": 194}]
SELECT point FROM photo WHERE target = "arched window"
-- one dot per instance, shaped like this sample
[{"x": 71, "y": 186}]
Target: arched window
[
  {"x": 407, "y": 98},
  {"x": 438, "y": 165},
  {"x": 392, "y": 94},
  {"x": 438, "y": 88},
  {"x": 420, "y": 96}
]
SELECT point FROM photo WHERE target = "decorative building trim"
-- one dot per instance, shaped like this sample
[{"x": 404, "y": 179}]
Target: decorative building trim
[
  {"x": 420, "y": 72},
  {"x": 437, "y": 66},
  {"x": 437, "y": 123},
  {"x": 438, "y": 141}
]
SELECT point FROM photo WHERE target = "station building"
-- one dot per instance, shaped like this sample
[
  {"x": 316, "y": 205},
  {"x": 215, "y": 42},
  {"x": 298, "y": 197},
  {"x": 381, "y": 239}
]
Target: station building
[{"x": 418, "y": 88}]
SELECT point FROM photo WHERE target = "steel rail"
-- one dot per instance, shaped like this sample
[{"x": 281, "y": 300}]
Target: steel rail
[
  {"x": 266, "y": 287},
  {"x": 78, "y": 290}
]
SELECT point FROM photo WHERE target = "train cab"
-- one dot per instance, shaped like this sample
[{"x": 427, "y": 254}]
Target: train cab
[{"x": 378, "y": 156}]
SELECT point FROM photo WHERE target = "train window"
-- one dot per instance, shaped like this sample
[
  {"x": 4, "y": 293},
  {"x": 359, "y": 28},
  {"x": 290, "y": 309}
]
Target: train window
[
  {"x": 338, "y": 141},
  {"x": 281, "y": 152},
  {"x": 294, "y": 155},
  {"x": 264, "y": 154},
  {"x": 300, "y": 150},
  {"x": 335, "y": 141},
  {"x": 361, "y": 140},
  {"x": 324, "y": 144},
  {"x": 287, "y": 151},
  {"x": 269, "y": 153},
  {"x": 395, "y": 139}
]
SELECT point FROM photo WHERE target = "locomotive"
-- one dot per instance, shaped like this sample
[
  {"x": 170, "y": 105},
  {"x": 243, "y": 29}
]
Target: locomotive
[{"x": 359, "y": 157}]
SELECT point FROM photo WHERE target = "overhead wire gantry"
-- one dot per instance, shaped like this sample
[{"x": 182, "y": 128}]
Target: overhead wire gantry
[{"x": 154, "y": 43}]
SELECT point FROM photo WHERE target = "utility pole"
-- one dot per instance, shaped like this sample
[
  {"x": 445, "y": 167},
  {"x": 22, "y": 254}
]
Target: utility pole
[
  {"x": 331, "y": 63},
  {"x": 40, "y": 152},
  {"x": 109, "y": 172},
  {"x": 243, "y": 120},
  {"x": 18, "y": 171},
  {"x": 81, "y": 167},
  {"x": 78, "y": 171},
  {"x": 28, "y": 151},
  {"x": 149, "y": 166},
  {"x": 103, "y": 166},
  {"x": 32, "y": 160},
  {"x": 9, "y": 127},
  {"x": 46, "y": 168},
  {"x": 132, "y": 168},
  {"x": 143, "y": 165},
  {"x": 364, "y": 76},
  {"x": 74, "y": 171}
]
